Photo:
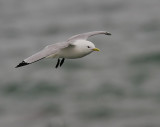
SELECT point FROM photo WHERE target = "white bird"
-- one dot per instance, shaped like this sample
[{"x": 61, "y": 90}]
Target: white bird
[{"x": 75, "y": 47}]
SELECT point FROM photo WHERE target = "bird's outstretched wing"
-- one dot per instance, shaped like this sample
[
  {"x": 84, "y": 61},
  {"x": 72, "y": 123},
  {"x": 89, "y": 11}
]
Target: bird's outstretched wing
[
  {"x": 47, "y": 51},
  {"x": 85, "y": 36}
]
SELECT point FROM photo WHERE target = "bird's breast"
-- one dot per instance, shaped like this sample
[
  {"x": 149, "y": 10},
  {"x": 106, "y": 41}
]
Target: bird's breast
[{"x": 72, "y": 53}]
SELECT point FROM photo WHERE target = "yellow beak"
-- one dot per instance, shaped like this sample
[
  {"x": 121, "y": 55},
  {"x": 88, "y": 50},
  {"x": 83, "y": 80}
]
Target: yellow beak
[{"x": 95, "y": 49}]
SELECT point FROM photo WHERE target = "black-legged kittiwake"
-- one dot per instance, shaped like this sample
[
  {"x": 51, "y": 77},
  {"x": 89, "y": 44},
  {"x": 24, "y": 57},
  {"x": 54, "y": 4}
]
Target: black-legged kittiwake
[{"x": 75, "y": 47}]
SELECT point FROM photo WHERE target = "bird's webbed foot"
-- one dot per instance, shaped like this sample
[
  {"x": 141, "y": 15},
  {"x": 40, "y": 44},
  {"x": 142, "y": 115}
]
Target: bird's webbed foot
[{"x": 60, "y": 62}]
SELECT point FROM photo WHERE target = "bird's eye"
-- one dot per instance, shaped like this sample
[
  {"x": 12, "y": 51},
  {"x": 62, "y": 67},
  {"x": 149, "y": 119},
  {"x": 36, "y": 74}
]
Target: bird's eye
[{"x": 88, "y": 46}]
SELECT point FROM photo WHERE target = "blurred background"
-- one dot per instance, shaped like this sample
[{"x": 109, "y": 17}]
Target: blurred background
[{"x": 117, "y": 87}]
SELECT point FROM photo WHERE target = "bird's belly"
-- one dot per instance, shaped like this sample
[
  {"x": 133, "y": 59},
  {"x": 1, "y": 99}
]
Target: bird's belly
[{"x": 72, "y": 54}]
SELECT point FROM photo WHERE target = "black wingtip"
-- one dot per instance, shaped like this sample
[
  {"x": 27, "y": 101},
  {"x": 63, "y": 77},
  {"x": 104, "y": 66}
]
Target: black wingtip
[
  {"x": 23, "y": 63},
  {"x": 107, "y": 33}
]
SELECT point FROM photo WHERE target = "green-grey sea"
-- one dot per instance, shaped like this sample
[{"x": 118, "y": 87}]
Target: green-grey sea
[{"x": 116, "y": 87}]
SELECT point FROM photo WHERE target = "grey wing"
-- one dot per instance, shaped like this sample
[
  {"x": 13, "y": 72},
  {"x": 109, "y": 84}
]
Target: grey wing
[
  {"x": 47, "y": 51},
  {"x": 85, "y": 36},
  {"x": 40, "y": 55}
]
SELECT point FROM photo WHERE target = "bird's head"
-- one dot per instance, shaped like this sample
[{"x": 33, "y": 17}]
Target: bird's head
[{"x": 85, "y": 46}]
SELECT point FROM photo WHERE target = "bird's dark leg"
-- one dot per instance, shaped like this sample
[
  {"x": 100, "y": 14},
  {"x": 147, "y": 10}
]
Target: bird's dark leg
[
  {"x": 57, "y": 63},
  {"x": 62, "y": 61}
]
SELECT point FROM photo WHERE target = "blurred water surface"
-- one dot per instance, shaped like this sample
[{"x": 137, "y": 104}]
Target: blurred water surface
[{"x": 117, "y": 87}]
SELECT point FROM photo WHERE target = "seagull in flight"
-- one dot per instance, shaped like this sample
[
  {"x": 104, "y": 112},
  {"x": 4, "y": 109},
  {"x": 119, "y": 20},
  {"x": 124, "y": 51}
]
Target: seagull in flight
[{"x": 76, "y": 46}]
